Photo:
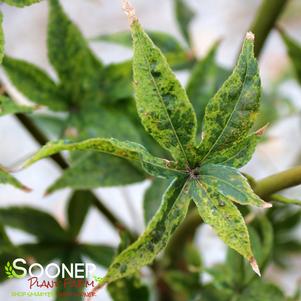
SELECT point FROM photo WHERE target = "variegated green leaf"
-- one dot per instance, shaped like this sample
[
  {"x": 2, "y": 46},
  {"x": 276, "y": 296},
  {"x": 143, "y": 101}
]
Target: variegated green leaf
[
  {"x": 80, "y": 72},
  {"x": 202, "y": 84},
  {"x": 184, "y": 16},
  {"x": 97, "y": 170},
  {"x": 219, "y": 212},
  {"x": 20, "y": 3},
  {"x": 6, "y": 178},
  {"x": 127, "y": 150},
  {"x": 35, "y": 84},
  {"x": 162, "y": 103},
  {"x": 1, "y": 39},
  {"x": 7, "y": 107},
  {"x": 238, "y": 154},
  {"x": 294, "y": 52},
  {"x": 173, "y": 210},
  {"x": 230, "y": 183},
  {"x": 230, "y": 114}
]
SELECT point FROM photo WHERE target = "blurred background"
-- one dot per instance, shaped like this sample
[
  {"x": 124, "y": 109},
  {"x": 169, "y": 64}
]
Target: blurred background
[{"x": 228, "y": 20}]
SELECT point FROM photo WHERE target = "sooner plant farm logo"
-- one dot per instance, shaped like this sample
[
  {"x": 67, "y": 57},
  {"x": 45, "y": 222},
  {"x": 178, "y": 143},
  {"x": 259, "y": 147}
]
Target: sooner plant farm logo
[
  {"x": 75, "y": 275},
  {"x": 10, "y": 272}
]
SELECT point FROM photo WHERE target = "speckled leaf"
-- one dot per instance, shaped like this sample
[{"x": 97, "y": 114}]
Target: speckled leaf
[
  {"x": 80, "y": 72},
  {"x": 6, "y": 178},
  {"x": 20, "y": 3},
  {"x": 162, "y": 103},
  {"x": 231, "y": 113},
  {"x": 127, "y": 150},
  {"x": 202, "y": 84},
  {"x": 184, "y": 16},
  {"x": 230, "y": 183},
  {"x": 238, "y": 154},
  {"x": 173, "y": 210},
  {"x": 1, "y": 39},
  {"x": 35, "y": 84},
  {"x": 153, "y": 198},
  {"x": 97, "y": 170},
  {"x": 34, "y": 221},
  {"x": 294, "y": 52},
  {"x": 226, "y": 220},
  {"x": 8, "y": 106}
]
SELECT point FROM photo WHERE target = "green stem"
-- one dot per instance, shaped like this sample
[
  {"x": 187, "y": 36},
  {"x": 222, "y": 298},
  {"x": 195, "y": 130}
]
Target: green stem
[
  {"x": 265, "y": 20},
  {"x": 278, "y": 182},
  {"x": 282, "y": 199}
]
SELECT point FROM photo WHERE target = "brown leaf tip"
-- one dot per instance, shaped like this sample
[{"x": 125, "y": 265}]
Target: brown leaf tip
[
  {"x": 262, "y": 130},
  {"x": 129, "y": 11},
  {"x": 267, "y": 205},
  {"x": 26, "y": 189},
  {"x": 250, "y": 36},
  {"x": 255, "y": 266}
]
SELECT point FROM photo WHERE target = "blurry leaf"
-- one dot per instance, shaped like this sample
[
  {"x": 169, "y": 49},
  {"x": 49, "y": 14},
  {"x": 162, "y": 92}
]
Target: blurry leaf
[
  {"x": 202, "y": 84},
  {"x": 1, "y": 39},
  {"x": 127, "y": 150},
  {"x": 166, "y": 42},
  {"x": 34, "y": 221},
  {"x": 100, "y": 254},
  {"x": 294, "y": 52},
  {"x": 142, "y": 252},
  {"x": 210, "y": 293},
  {"x": 153, "y": 198},
  {"x": 8, "y": 106},
  {"x": 35, "y": 84},
  {"x": 52, "y": 125},
  {"x": 6, "y": 178},
  {"x": 184, "y": 16},
  {"x": 97, "y": 170},
  {"x": 162, "y": 103},
  {"x": 128, "y": 289},
  {"x": 80, "y": 72},
  {"x": 285, "y": 221},
  {"x": 101, "y": 121},
  {"x": 177, "y": 56},
  {"x": 77, "y": 210},
  {"x": 117, "y": 83},
  {"x": 231, "y": 113},
  {"x": 261, "y": 291},
  {"x": 42, "y": 252},
  {"x": 185, "y": 286},
  {"x": 20, "y": 3},
  {"x": 68, "y": 288}
]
